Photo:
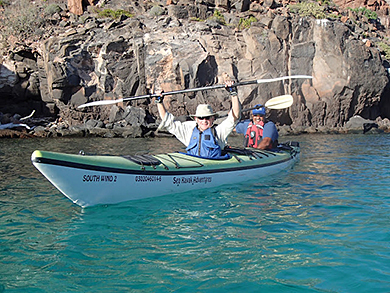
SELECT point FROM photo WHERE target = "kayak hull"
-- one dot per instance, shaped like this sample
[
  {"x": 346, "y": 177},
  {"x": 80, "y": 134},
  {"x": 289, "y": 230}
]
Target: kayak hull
[{"x": 89, "y": 180}]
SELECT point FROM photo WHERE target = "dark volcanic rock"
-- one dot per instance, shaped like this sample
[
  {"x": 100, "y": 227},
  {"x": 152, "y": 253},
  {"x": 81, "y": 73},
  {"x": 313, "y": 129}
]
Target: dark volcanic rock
[{"x": 170, "y": 47}]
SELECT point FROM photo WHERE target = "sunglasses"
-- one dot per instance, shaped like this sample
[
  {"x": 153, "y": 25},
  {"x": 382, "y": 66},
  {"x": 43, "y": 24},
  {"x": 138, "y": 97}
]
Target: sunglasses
[{"x": 207, "y": 118}]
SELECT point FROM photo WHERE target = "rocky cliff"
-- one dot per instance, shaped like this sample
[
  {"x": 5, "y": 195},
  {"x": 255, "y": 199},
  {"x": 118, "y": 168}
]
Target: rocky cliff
[{"x": 189, "y": 44}]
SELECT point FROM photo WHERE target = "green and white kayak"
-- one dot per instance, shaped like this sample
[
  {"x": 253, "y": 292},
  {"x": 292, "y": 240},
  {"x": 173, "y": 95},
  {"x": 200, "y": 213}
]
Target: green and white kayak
[{"x": 90, "y": 180}]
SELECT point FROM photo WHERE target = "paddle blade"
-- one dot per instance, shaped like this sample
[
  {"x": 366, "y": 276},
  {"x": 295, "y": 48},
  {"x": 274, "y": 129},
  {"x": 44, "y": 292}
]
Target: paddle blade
[
  {"x": 280, "y": 102},
  {"x": 100, "y": 103}
]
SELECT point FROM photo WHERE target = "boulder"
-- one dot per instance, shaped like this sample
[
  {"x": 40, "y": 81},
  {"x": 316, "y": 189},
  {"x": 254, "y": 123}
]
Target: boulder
[{"x": 357, "y": 124}]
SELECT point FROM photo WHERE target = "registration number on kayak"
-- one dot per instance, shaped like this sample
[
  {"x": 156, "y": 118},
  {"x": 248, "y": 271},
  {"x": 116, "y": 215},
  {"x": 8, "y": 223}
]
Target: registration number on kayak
[{"x": 147, "y": 178}]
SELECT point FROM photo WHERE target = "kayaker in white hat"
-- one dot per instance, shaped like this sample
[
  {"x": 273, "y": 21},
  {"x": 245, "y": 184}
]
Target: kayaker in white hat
[{"x": 201, "y": 137}]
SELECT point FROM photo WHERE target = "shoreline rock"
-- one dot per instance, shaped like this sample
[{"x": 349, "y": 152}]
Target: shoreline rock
[
  {"x": 93, "y": 128},
  {"x": 181, "y": 45}
]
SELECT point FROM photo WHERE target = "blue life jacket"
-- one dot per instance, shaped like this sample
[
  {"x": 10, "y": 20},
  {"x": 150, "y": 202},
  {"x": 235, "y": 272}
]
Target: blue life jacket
[{"x": 204, "y": 144}]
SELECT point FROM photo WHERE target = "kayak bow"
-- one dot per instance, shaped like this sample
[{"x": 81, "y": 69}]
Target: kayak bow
[{"x": 89, "y": 180}]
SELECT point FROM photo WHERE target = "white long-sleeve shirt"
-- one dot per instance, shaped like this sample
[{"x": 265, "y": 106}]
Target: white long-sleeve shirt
[{"x": 183, "y": 130}]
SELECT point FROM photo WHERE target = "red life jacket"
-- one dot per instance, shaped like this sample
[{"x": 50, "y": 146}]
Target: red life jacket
[{"x": 254, "y": 134}]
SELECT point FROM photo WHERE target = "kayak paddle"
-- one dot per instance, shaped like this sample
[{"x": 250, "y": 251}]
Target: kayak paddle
[
  {"x": 277, "y": 103},
  {"x": 110, "y": 102}
]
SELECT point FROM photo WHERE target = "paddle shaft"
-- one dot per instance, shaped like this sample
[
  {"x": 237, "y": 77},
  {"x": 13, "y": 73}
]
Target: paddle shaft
[
  {"x": 204, "y": 88},
  {"x": 242, "y": 111},
  {"x": 249, "y": 109},
  {"x": 284, "y": 102},
  {"x": 212, "y": 87},
  {"x": 218, "y": 86}
]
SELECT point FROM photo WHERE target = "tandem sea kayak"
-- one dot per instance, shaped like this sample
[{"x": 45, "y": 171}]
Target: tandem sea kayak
[{"x": 90, "y": 180}]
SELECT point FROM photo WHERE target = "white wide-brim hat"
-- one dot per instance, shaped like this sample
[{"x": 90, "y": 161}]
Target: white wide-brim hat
[{"x": 204, "y": 110}]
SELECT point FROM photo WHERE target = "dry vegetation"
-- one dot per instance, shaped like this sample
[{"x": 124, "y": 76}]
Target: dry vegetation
[{"x": 25, "y": 19}]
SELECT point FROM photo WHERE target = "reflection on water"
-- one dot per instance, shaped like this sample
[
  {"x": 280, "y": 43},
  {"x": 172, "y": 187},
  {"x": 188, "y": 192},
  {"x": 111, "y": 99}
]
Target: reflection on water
[{"x": 322, "y": 226}]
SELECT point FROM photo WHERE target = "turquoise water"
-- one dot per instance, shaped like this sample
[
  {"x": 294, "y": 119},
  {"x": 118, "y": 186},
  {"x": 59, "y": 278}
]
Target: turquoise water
[{"x": 322, "y": 226}]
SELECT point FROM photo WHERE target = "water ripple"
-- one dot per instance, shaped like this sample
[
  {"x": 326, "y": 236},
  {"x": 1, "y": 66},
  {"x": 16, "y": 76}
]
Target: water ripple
[{"x": 319, "y": 227}]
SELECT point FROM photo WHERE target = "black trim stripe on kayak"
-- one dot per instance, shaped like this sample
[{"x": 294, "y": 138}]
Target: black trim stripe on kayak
[{"x": 151, "y": 172}]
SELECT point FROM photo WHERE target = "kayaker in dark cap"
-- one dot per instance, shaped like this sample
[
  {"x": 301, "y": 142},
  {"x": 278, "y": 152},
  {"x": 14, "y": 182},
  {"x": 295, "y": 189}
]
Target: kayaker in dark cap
[
  {"x": 259, "y": 132},
  {"x": 201, "y": 137}
]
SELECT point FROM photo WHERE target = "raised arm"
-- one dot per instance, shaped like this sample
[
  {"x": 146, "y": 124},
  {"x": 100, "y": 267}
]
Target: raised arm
[
  {"x": 160, "y": 105},
  {"x": 236, "y": 105}
]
